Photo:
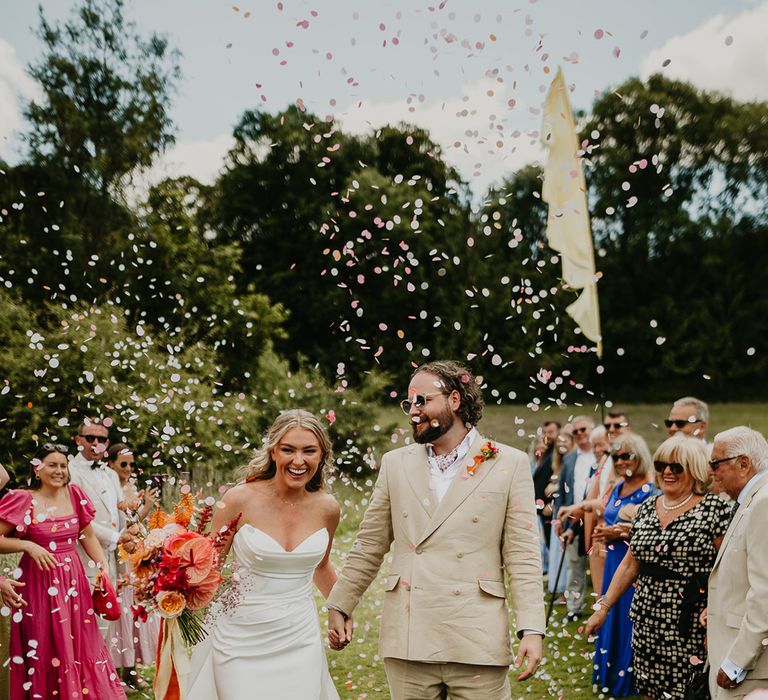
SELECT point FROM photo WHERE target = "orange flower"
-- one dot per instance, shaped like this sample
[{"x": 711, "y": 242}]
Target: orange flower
[
  {"x": 198, "y": 556},
  {"x": 174, "y": 543},
  {"x": 184, "y": 510},
  {"x": 203, "y": 592},
  {"x": 158, "y": 519},
  {"x": 170, "y": 604}
]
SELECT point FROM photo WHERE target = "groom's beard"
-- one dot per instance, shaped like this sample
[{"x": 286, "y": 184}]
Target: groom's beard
[{"x": 432, "y": 432}]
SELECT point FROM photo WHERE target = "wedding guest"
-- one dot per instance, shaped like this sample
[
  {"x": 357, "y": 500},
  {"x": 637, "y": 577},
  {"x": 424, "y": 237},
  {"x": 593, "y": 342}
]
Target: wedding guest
[
  {"x": 542, "y": 476},
  {"x": 44, "y": 522},
  {"x": 131, "y": 641},
  {"x": 737, "y": 617},
  {"x": 617, "y": 423},
  {"x": 572, "y": 490},
  {"x": 613, "y": 652},
  {"x": 674, "y": 541},
  {"x": 589, "y": 513},
  {"x": 556, "y": 550}
]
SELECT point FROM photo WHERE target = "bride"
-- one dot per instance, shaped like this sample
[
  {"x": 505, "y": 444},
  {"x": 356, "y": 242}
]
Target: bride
[{"x": 270, "y": 641}]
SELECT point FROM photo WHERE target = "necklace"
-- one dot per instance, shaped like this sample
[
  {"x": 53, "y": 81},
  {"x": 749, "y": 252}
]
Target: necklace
[
  {"x": 675, "y": 506},
  {"x": 287, "y": 502}
]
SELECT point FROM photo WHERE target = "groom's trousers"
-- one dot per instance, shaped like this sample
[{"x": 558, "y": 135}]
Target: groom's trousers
[{"x": 417, "y": 680}]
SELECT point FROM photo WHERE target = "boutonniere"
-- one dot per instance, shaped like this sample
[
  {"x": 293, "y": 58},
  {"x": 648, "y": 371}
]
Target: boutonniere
[{"x": 487, "y": 451}]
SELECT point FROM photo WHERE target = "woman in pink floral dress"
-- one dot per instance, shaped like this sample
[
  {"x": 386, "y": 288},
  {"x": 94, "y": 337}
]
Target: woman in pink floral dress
[{"x": 56, "y": 648}]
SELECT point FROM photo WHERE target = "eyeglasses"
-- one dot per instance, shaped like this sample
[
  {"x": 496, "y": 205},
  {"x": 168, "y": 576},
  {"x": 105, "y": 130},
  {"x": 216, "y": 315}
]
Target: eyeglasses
[
  {"x": 615, "y": 426},
  {"x": 623, "y": 456},
  {"x": 680, "y": 423},
  {"x": 576, "y": 431},
  {"x": 418, "y": 400},
  {"x": 714, "y": 464},
  {"x": 674, "y": 467},
  {"x": 125, "y": 464},
  {"x": 98, "y": 438},
  {"x": 50, "y": 447}
]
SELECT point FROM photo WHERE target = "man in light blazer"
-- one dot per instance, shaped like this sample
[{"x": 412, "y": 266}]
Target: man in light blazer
[
  {"x": 102, "y": 486},
  {"x": 575, "y": 474},
  {"x": 737, "y": 612},
  {"x": 460, "y": 511}
]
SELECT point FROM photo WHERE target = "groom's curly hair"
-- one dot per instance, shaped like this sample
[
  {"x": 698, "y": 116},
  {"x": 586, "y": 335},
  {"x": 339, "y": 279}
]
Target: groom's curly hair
[{"x": 455, "y": 376}]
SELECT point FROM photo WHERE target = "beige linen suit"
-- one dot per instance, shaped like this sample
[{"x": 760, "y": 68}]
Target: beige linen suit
[
  {"x": 445, "y": 598},
  {"x": 737, "y": 612}
]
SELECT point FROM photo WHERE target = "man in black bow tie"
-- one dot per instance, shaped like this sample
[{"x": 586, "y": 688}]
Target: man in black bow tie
[{"x": 102, "y": 486}]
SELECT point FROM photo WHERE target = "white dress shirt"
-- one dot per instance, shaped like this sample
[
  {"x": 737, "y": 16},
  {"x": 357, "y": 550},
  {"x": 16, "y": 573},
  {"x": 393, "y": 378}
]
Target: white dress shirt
[
  {"x": 440, "y": 481},
  {"x": 581, "y": 470},
  {"x": 101, "y": 481}
]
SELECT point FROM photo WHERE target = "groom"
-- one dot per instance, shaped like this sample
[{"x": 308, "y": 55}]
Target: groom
[{"x": 460, "y": 510}]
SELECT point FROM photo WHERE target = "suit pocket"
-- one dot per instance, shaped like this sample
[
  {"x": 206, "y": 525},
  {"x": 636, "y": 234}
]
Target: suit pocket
[
  {"x": 734, "y": 620},
  {"x": 492, "y": 587},
  {"x": 391, "y": 583}
]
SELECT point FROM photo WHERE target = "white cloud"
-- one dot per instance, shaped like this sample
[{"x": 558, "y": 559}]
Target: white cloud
[
  {"x": 466, "y": 126},
  {"x": 201, "y": 159},
  {"x": 725, "y": 53},
  {"x": 15, "y": 87}
]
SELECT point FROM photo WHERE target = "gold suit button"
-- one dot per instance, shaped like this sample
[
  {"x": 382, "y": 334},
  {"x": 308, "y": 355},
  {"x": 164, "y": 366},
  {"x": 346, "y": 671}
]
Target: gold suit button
[
  {"x": 457, "y": 592},
  {"x": 419, "y": 550},
  {"x": 475, "y": 519},
  {"x": 459, "y": 555},
  {"x": 405, "y": 515}
]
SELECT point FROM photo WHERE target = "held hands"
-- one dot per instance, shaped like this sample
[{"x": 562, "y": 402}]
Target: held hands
[
  {"x": 530, "y": 649},
  {"x": 339, "y": 630},
  {"x": 42, "y": 557},
  {"x": 8, "y": 594}
]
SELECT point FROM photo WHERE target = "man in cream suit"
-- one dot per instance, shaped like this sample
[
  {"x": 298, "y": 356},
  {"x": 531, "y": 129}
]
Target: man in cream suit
[
  {"x": 737, "y": 613},
  {"x": 460, "y": 510},
  {"x": 102, "y": 486}
]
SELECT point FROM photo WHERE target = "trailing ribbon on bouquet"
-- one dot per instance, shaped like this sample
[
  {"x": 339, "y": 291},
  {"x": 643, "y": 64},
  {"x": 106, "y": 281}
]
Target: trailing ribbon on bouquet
[{"x": 172, "y": 662}]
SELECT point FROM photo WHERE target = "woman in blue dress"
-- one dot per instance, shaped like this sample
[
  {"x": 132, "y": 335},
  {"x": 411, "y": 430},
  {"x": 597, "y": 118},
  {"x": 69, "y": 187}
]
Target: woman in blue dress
[{"x": 613, "y": 651}]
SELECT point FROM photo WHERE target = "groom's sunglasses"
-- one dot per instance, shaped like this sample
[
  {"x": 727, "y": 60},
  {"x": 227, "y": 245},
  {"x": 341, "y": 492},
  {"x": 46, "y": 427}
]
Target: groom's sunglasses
[{"x": 418, "y": 400}]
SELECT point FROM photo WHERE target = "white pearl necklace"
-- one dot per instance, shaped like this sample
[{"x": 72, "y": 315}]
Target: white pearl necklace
[{"x": 675, "y": 506}]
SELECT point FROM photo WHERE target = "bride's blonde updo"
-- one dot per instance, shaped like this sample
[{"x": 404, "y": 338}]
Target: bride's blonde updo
[{"x": 262, "y": 466}]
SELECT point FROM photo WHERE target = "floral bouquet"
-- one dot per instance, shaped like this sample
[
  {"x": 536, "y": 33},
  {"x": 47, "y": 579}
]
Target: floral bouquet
[{"x": 175, "y": 570}]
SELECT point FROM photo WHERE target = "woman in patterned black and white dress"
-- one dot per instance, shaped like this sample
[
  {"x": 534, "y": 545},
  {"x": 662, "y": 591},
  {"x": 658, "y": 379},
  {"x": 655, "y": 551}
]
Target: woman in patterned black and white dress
[{"x": 673, "y": 545}]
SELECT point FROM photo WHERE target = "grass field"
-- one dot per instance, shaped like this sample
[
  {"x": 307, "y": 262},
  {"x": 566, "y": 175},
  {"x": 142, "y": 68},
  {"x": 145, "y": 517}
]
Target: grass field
[{"x": 566, "y": 669}]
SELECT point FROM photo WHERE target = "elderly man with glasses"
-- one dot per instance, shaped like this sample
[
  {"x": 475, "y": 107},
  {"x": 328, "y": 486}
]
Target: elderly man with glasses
[{"x": 737, "y": 614}]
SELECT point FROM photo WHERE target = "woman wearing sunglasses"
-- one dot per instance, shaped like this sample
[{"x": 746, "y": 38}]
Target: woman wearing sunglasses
[
  {"x": 56, "y": 649},
  {"x": 131, "y": 641},
  {"x": 613, "y": 653},
  {"x": 674, "y": 542}
]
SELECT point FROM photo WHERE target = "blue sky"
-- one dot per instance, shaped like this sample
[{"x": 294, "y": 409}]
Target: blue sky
[{"x": 474, "y": 73}]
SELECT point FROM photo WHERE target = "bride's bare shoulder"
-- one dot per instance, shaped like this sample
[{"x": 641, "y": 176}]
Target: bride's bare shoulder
[{"x": 242, "y": 492}]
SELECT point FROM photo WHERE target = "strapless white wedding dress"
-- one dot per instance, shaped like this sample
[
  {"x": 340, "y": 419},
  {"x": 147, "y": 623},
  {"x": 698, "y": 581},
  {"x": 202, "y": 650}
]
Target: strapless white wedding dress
[{"x": 269, "y": 644}]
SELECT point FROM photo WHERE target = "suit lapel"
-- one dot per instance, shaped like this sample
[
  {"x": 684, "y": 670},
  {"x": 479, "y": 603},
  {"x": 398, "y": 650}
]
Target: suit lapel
[
  {"x": 737, "y": 519},
  {"x": 461, "y": 487},
  {"x": 417, "y": 473}
]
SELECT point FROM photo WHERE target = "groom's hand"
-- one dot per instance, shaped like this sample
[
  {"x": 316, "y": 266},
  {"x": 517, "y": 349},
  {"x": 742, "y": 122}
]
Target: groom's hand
[
  {"x": 339, "y": 630},
  {"x": 529, "y": 649}
]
